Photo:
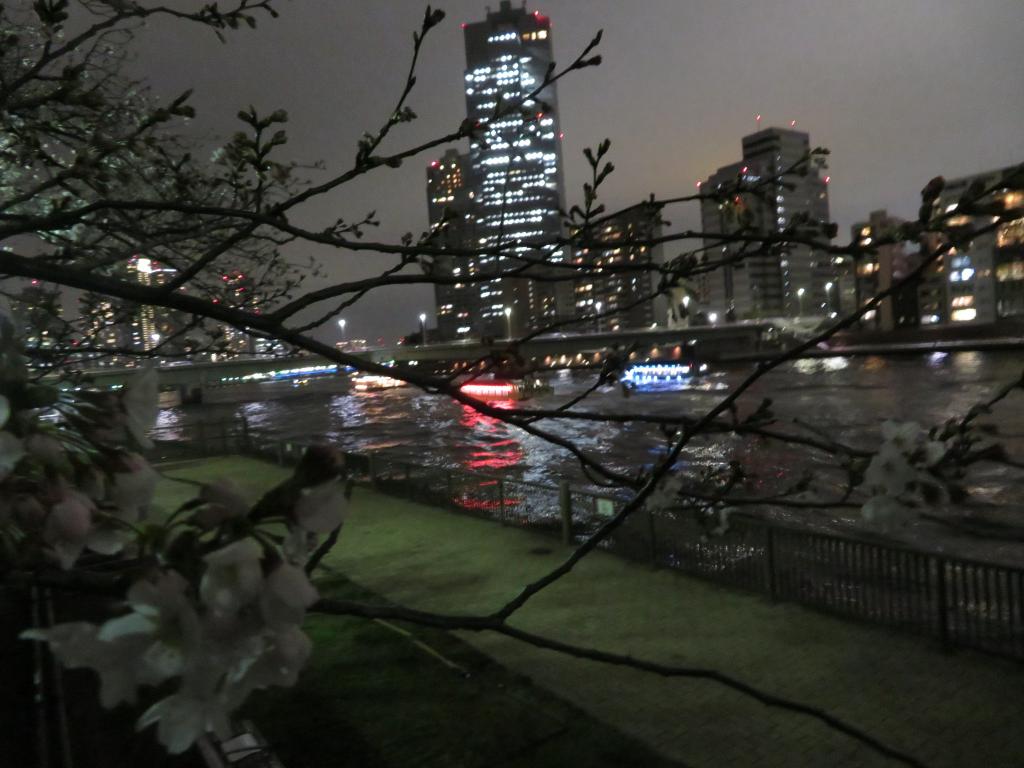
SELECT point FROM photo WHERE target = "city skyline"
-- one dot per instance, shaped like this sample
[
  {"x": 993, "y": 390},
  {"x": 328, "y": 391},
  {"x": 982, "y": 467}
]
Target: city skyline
[{"x": 674, "y": 112}]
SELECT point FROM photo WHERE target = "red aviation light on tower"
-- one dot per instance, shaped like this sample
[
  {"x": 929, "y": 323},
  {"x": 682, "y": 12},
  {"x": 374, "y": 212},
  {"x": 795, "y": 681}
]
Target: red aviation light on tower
[
  {"x": 792, "y": 123},
  {"x": 463, "y": 25},
  {"x": 434, "y": 163},
  {"x": 828, "y": 179}
]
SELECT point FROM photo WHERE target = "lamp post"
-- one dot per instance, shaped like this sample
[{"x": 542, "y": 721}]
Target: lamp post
[
  {"x": 828, "y": 297},
  {"x": 800, "y": 297},
  {"x": 598, "y": 305},
  {"x": 508, "y": 322},
  {"x": 423, "y": 328},
  {"x": 341, "y": 327}
]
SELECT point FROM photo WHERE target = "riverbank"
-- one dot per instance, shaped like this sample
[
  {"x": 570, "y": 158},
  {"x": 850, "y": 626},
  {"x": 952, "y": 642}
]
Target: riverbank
[{"x": 947, "y": 710}]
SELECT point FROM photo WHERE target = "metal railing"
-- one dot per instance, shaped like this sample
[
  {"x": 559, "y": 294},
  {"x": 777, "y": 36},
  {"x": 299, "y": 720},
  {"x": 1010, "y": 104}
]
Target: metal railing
[{"x": 958, "y": 601}]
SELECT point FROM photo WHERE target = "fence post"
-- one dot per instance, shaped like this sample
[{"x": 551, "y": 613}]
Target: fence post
[
  {"x": 942, "y": 603},
  {"x": 371, "y": 466},
  {"x": 565, "y": 508},
  {"x": 654, "y": 540},
  {"x": 769, "y": 548}
]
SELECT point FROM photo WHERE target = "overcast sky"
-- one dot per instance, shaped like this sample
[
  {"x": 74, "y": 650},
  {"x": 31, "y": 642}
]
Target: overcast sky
[{"x": 899, "y": 90}]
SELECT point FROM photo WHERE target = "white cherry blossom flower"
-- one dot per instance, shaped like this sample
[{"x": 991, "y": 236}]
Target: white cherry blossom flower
[
  {"x": 76, "y": 644},
  {"x": 286, "y": 595},
  {"x": 131, "y": 491},
  {"x": 934, "y": 452},
  {"x": 322, "y": 508},
  {"x": 298, "y": 544},
  {"x": 889, "y": 471},
  {"x": 883, "y": 510},
  {"x": 223, "y": 502},
  {"x": 165, "y": 622},
  {"x": 11, "y": 452},
  {"x": 233, "y": 576},
  {"x": 46, "y": 448},
  {"x": 905, "y": 435},
  {"x": 141, "y": 407},
  {"x": 182, "y": 718},
  {"x": 287, "y": 650},
  {"x": 68, "y": 526}
]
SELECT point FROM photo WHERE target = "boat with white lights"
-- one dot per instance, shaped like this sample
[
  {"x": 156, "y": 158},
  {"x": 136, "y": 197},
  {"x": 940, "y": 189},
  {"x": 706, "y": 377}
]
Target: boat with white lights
[
  {"x": 369, "y": 382},
  {"x": 661, "y": 376}
]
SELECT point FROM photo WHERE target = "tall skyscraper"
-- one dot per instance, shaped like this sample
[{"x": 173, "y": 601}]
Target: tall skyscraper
[
  {"x": 788, "y": 283},
  {"x": 513, "y": 179}
]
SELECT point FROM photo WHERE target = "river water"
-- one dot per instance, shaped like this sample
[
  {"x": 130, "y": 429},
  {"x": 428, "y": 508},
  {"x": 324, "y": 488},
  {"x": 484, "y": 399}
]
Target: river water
[{"x": 847, "y": 398}]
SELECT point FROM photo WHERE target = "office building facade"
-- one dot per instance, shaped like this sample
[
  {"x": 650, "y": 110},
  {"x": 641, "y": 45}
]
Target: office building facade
[
  {"x": 877, "y": 269},
  {"x": 613, "y": 286},
  {"x": 983, "y": 280},
  {"x": 794, "y": 281},
  {"x": 513, "y": 180}
]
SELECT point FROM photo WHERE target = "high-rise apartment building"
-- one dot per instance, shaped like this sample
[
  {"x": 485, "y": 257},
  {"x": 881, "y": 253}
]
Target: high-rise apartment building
[
  {"x": 877, "y": 270},
  {"x": 799, "y": 280},
  {"x": 616, "y": 288},
  {"x": 36, "y": 313},
  {"x": 512, "y": 175},
  {"x": 151, "y": 324},
  {"x": 984, "y": 281}
]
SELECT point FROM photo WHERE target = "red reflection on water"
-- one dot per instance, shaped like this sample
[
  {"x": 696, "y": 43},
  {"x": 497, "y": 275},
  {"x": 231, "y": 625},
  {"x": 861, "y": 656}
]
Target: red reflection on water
[{"x": 498, "y": 454}]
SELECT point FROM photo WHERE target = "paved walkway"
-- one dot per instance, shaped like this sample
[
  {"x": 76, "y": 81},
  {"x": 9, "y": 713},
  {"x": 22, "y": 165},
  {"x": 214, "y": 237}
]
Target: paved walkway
[{"x": 957, "y": 710}]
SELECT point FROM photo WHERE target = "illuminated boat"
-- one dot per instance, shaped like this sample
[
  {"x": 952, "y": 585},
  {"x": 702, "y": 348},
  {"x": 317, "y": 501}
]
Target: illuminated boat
[
  {"x": 655, "y": 376},
  {"x": 497, "y": 389},
  {"x": 368, "y": 382}
]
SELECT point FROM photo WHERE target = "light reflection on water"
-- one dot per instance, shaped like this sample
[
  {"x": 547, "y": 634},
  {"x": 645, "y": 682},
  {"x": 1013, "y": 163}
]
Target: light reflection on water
[{"x": 847, "y": 398}]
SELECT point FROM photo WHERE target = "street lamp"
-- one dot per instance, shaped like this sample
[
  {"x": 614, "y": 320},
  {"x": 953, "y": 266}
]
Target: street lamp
[
  {"x": 508, "y": 322},
  {"x": 800, "y": 297},
  {"x": 341, "y": 327},
  {"x": 598, "y": 307},
  {"x": 828, "y": 296},
  {"x": 423, "y": 328}
]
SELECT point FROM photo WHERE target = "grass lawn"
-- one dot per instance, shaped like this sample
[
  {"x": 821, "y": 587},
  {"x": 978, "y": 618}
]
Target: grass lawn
[
  {"x": 961, "y": 709},
  {"x": 375, "y": 694}
]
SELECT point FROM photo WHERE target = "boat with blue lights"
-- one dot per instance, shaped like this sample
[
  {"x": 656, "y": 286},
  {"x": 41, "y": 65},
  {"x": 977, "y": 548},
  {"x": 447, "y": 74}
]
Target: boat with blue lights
[{"x": 658, "y": 376}]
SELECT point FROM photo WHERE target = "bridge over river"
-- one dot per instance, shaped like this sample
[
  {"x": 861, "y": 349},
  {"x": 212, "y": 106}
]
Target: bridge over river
[{"x": 193, "y": 380}]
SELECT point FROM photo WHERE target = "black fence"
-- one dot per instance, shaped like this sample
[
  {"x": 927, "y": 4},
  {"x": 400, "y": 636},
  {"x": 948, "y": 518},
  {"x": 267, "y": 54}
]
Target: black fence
[{"x": 957, "y": 601}]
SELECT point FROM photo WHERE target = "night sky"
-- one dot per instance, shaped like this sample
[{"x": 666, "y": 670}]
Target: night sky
[{"x": 899, "y": 90}]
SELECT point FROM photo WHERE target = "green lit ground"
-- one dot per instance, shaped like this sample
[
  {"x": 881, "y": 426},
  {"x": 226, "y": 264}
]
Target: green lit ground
[{"x": 948, "y": 710}]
